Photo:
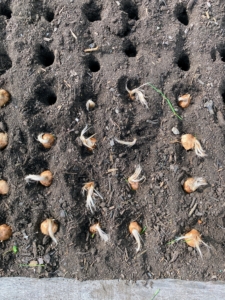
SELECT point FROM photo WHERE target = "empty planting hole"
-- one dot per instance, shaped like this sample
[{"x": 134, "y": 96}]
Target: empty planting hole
[
  {"x": 183, "y": 62},
  {"x": 93, "y": 64},
  {"x": 130, "y": 8},
  {"x": 92, "y": 11},
  {"x": 51, "y": 99},
  {"x": 181, "y": 14},
  {"x": 5, "y": 61},
  {"x": 5, "y": 11},
  {"x": 221, "y": 50},
  {"x": 46, "y": 95},
  {"x": 213, "y": 54},
  {"x": 49, "y": 15},
  {"x": 46, "y": 56},
  {"x": 130, "y": 49}
]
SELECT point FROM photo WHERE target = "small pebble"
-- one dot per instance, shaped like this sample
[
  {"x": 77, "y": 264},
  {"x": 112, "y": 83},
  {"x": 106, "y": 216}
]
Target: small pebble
[{"x": 175, "y": 130}]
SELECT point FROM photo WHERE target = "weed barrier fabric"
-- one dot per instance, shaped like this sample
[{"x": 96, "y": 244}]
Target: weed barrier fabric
[{"x": 22, "y": 288}]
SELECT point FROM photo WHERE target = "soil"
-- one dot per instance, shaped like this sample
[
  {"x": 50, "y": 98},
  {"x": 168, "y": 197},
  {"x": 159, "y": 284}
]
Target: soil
[{"x": 177, "y": 46}]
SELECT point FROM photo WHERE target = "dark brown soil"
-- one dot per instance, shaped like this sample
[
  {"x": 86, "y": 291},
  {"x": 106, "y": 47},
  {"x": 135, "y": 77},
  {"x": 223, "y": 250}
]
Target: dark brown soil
[{"x": 178, "y": 48}]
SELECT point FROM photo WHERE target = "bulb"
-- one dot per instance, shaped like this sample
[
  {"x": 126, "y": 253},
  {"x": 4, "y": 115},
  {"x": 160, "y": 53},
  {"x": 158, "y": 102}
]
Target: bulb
[
  {"x": 3, "y": 140},
  {"x": 49, "y": 227},
  {"x": 5, "y": 232},
  {"x": 184, "y": 101},
  {"x": 46, "y": 139},
  {"x": 4, "y": 97},
  {"x": 4, "y": 187}
]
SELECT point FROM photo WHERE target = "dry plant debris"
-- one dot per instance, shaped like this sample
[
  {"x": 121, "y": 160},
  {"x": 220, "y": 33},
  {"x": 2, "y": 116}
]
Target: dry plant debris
[{"x": 129, "y": 144}]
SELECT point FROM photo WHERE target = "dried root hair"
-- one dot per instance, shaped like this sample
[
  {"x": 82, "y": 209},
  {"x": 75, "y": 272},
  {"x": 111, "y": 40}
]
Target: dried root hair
[
  {"x": 96, "y": 228},
  {"x": 133, "y": 180},
  {"x": 198, "y": 149},
  {"x": 30, "y": 178},
  {"x": 137, "y": 94},
  {"x": 91, "y": 193},
  {"x": 138, "y": 238},
  {"x": 90, "y": 142}
]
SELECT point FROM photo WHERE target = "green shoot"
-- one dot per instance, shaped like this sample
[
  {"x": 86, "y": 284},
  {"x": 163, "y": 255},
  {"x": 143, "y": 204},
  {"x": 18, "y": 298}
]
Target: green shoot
[
  {"x": 143, "y": 230},
  {"x": 92, "y": 236},
  {"x": 168, "y": 101},
  {"x": 14, "y": 250},
  {"x": 156, "y": 293}
]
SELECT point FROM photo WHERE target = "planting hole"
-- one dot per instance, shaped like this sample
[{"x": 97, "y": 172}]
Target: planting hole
[
  {"x": 221, "y": 50},
  {"x": 130, "y": 49},
  {"x": 5, "y": 11},
  {"x": 51, "y": 99},
  {"x": 93, "y": 64},
  {"x": 49, "y": 15},
  {"x": 46, "y": 57},
  {"x": 213, "y": 54},
  {"x": 183, "y": 62},
  {"x": 45, "y": 95},
  {"x": 5, "y": 61},
  {"x": 223, "y": 96},
  {"x": 130, "y": 8},
  {"x": 92, "y": 11},
  {"x": 181, "y": 14}
]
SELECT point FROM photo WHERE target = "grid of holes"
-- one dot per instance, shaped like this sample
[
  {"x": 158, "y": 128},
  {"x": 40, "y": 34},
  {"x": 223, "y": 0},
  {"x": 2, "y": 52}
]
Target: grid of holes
[{"x": 46, "y": 56}]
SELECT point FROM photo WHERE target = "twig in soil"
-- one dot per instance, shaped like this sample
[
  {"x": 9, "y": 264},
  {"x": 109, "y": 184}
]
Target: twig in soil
[
  {"x": 91, "y": 49},
  {"x": 164, "y": 97},
  {"x": 141, "y": 253},
  {"x": 192, "y": 210},
  {"x": 73, "y": 34}
]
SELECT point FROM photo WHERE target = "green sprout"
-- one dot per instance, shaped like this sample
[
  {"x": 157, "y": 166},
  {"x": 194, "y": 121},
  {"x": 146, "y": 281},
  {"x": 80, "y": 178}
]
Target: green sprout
[
  {"x": 143, "y": 230},
  {"x": 168, "y": 100},
  {"x": 14, "y": 250},
  {"x": 156, "y": 293},
  {"x": 92, "y": 236}
]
